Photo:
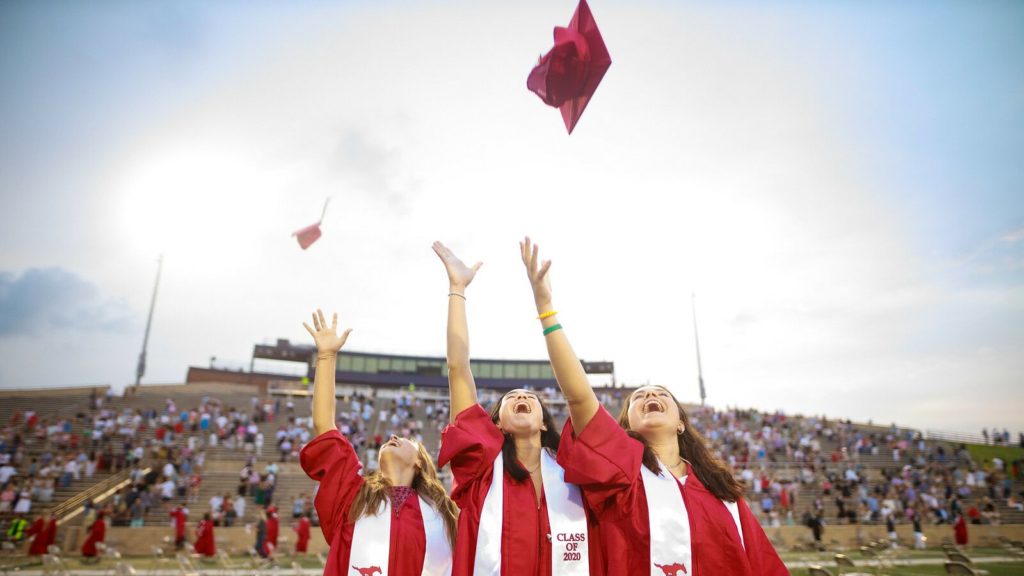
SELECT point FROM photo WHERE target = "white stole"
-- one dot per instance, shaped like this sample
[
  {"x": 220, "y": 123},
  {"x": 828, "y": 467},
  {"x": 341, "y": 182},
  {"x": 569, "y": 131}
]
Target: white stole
[
  {"x": 568, "y": 520},
  {"x": 438, "y": 558},
  {"x": 371, "y": 542},
  {"x": 669, "y": 523}
]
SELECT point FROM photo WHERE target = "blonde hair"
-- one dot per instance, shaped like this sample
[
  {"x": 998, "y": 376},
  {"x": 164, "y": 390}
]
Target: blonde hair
[{"x": 426, "y": 484}]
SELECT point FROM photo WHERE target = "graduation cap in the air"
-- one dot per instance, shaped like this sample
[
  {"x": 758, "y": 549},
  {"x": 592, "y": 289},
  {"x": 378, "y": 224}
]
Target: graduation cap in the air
[
  {"x": 311, "y": 233},
  {"x": 567, "y": 76}
]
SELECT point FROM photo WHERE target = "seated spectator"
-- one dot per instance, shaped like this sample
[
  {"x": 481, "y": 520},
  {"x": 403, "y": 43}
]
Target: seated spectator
[
  {"x": 239, "y": 506},
  {"x": 989, "y": 513},
  {"x": 46, "y": 489},
  {"x": 167, "y": 490},
  {"x": 6, "y": 473},
  {"x": 228, "y": 511},
  {"x": 974, "y": 515},
  {"x": 23, "y": 505},
  {"x": 7, "y": 498}
]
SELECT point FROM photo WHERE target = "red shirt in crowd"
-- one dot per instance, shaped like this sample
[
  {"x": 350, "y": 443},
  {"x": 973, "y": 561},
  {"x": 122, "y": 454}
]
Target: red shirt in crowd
[
  {"x": 605, "y": 462},
  {"x": 330, "y": 460}
]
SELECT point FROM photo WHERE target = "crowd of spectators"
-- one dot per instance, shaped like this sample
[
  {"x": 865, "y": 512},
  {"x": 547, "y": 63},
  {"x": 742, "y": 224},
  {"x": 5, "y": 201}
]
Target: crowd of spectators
[
  {"x": 797, "y": 470},
  {"x": 845, "y": 473}
]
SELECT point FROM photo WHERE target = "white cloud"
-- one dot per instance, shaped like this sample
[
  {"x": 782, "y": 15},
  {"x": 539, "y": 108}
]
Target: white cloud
[{"x": 1014, "y": 237}]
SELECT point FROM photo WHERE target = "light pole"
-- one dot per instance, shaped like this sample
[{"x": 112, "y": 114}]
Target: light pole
[
  {"x": 140, "y": 370},
  {"x": 696, "y": 341}
]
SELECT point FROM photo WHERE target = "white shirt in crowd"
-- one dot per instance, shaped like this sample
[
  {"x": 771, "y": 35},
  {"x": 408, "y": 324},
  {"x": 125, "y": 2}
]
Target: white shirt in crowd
[{"x": 6, "y": 471}]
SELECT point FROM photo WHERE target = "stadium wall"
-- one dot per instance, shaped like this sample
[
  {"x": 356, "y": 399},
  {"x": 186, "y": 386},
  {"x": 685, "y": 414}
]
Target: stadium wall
[{"x": 260, "y": 380}]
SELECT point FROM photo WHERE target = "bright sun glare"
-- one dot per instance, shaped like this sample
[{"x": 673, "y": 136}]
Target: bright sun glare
[{"x": 188, "y": 202}]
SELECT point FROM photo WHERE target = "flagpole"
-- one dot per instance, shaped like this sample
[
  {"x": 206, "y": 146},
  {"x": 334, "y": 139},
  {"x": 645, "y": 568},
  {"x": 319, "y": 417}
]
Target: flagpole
[
  {"x": 140, "y": 370},
  {"x": 696, "y": 341}
]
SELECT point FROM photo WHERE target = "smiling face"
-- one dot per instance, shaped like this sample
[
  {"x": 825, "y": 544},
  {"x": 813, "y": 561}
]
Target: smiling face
[
  {"x": 521, "y": 413},
  {"x": 653, "y": 410},
  {"x": 399, "y": 452}
]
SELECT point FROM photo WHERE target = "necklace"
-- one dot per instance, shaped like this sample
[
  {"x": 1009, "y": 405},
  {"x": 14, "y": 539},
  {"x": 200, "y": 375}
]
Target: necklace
[{"x": 676, "y": 465}]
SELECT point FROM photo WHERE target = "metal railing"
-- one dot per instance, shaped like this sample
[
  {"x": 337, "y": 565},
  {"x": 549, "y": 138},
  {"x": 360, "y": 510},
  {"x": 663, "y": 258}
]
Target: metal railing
[
  {"x": 956, "y": 437},
  {"x": 72, "y": 507}
]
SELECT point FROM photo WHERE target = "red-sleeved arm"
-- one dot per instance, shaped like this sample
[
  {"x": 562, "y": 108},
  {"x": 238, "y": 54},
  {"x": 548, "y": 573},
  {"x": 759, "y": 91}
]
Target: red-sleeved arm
[
  {"x": 760, "y": 552},
  {"x": 470, "y": 443},
  {"x": 603, "y": 460},
  {"x": 330, "y": 460}
]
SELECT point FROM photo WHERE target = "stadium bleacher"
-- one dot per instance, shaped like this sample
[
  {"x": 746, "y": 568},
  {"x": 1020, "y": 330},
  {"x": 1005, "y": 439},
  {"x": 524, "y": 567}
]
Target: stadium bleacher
[{"x": 791, "y": 465}]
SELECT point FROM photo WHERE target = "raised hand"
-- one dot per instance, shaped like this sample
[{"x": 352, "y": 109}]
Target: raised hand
[
  {"x": 537, "y": 272},
  {"x": 326, "y": 337},
  {"x": 459, "y": 275}
]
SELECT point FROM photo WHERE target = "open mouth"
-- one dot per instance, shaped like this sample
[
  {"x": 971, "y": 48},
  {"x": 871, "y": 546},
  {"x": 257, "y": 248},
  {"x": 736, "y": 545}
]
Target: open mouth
[
  {"x": 394, "y": 442},
  {"x": 522, "y": 407},
  {"x": 653, "y": 406}
]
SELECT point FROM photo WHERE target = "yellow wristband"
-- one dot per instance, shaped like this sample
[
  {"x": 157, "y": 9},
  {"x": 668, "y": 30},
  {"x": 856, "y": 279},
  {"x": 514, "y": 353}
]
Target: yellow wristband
[{"x": 547, "y": 314}]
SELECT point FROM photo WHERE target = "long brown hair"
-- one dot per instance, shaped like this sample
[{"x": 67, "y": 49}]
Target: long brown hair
[
  {"x": 712, "y": 472},
  {"x": 426, "y": 484},
  {"x": 548, "y": 439}
]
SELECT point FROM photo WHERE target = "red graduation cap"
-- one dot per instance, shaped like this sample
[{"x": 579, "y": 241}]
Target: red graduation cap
[
  {"x": 311, "y": 233},
  {"x": 567, "y": 76}
]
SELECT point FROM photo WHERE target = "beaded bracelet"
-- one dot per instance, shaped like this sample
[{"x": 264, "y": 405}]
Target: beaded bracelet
[
  {"x": 552, "y": 328},
  {"x": 463, "y": 296}
]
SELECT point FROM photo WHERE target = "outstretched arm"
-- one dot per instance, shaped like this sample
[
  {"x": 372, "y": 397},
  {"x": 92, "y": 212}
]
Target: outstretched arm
[
  {"x": 328, "y": 343},
  {"x": 461, "y": 385},
  {"x": 566, "y": 365}
]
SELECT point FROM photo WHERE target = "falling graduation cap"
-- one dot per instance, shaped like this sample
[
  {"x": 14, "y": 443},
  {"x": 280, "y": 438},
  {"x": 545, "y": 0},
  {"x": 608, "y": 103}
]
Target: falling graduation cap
[
  {"x": 567, "y": 76},
  {"x": 311, "y": 233}
]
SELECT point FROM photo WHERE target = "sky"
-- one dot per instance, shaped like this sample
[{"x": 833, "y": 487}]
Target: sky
[{"x": 840, "y": 186}]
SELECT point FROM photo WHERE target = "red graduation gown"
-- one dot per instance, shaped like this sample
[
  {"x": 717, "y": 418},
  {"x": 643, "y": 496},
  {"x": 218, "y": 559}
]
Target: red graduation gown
[
  {"x": 205, "y": 544},
  {"x": 960, "y": 531},
  {"x": 273, "y": 523},
  {"x": 96, "y": 534},
  {"x": 330, "y": 460},
  {"x": 605, "y": 462},
  {"x": 178, "y": 515},
  {"x": 471, "y": 444},
  {"x": 51, "y": 533},
  {"x": 302, "y": 535},
  {"x": 40, "y": 541}
]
